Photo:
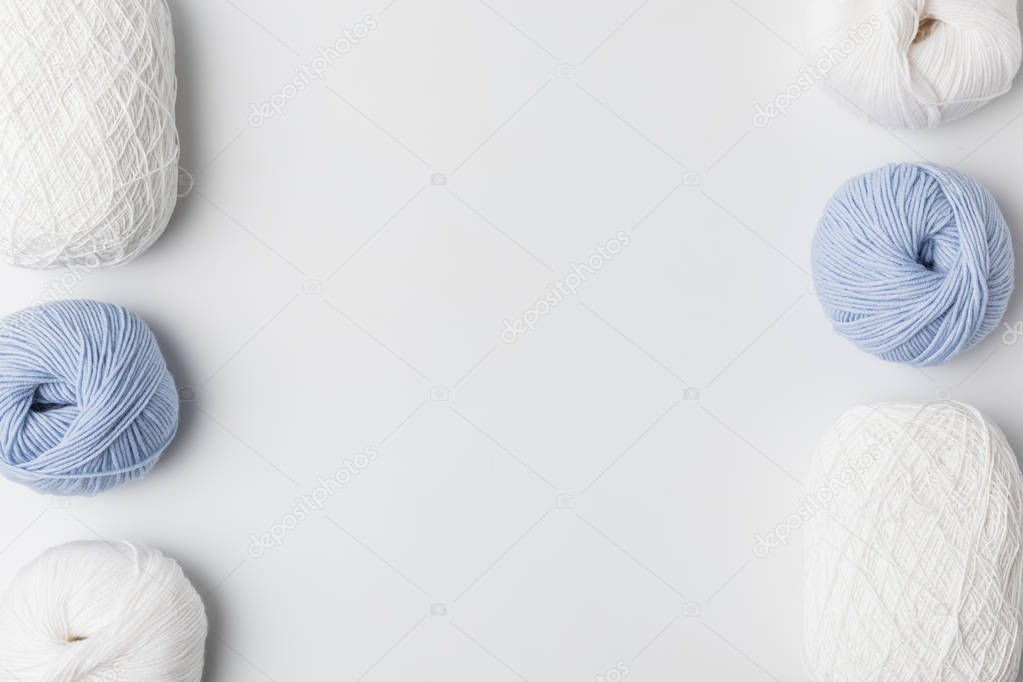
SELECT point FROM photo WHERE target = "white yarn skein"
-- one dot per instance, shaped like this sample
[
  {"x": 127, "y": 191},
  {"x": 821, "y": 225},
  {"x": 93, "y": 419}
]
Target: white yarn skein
[
  {"x": 914, "y": 568},
  {"x": 102, "y": 612},
  {"x": 89, "y": 147},
  {"x": 916, "y": 63}
]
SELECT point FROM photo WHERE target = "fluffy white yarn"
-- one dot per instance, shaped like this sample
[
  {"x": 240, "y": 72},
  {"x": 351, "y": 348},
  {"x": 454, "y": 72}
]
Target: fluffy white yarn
[
  {"x": 917, "y": 63},
  {"x": 913, "y": 558},
  {"x": 102, "y": 612},
  {"x": 88, "y": 146}
]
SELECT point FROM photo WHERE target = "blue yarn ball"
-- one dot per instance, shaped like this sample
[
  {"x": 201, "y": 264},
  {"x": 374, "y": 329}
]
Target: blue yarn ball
[
  {"x": 86, "y": 400},
  {"x": 913, "y": 262}
]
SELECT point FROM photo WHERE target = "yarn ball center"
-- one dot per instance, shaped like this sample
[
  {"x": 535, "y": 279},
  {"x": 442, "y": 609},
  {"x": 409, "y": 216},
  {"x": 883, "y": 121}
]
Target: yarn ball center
[
  {"x": 52, "y": 396},
  {"x": 925, "y": 28},
  {"x": 939, "y": 251}
]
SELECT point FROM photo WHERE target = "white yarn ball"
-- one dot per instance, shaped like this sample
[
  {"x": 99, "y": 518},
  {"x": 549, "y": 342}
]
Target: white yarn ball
[
  {"x": 914, "y": 565},
  {"x": 88, "y": 147},
  {"x": 917, "y": 63},
  {"x": 102, "y": 612}
]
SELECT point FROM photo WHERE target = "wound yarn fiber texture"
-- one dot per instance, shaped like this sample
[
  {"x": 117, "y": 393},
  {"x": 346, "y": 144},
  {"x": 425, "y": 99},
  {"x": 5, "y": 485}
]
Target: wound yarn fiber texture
[
  {"x": 913, "y": 262},
  {"x": 102, "y": 612},
  {"x": 915, "y": 63},
  {"x": 89, "y": 147},
  {"x": 914, "y": 553},
  {"x": 86, "y": 399}
]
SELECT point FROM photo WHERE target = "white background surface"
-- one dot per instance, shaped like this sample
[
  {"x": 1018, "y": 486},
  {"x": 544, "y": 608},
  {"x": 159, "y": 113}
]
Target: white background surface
[{"x": 649, "y": 130}]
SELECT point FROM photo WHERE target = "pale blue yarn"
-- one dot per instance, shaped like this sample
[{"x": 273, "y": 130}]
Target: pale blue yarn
[
  {"x": 913, "y": 262},
  {"x": 86, "y": 400}
]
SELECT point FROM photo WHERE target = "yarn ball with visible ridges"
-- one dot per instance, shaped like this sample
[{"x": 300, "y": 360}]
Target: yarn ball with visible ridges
[
  {"x": 913, "y": 262},
  {"x": 89, "y": 146},
  {"x": 102, "y": 612},
  {"x": 914, "y": 63},
  {"x": 86, "y": 399}
]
